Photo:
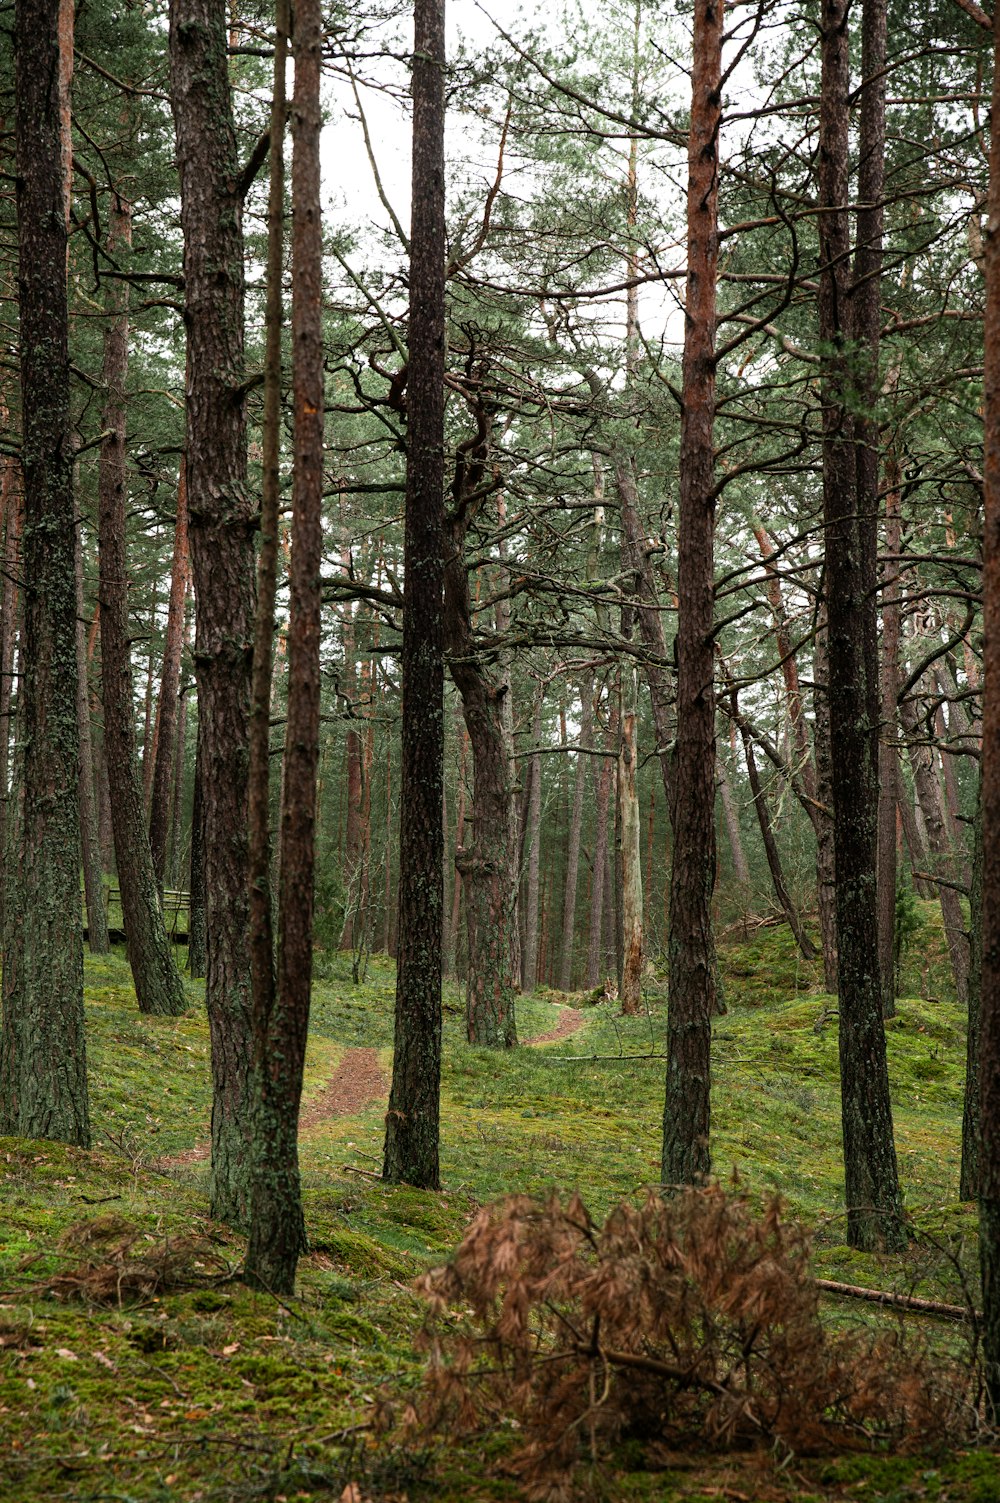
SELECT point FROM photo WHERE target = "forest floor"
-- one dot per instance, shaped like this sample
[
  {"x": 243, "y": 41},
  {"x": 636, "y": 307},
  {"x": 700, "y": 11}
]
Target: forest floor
[{"x": 177, "y": 1384}]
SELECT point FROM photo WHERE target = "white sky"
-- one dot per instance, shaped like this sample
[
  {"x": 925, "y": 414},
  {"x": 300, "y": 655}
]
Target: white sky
[{"x": 350, "y": 197}]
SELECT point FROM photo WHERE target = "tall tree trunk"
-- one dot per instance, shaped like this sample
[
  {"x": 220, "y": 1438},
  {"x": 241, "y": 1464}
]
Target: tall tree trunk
[
  {"x": 8, "y": 636},
  {"x": 989, "y": 1036},
  {"x": 912, "y": 836},
  {"x": 351, "y": 861},
  {"x": 888, "y": 759},
  {"x": 575, "y": 832},
  {"x": 259, "y": 778},
  {"x": 489, "y": 866},
  {"x": 277, "y": 1229},
  {"x": 166, "y": 712},
  {"x": 450, "y": 959},
  {"x": 149, "y": 726},
  {"x": 221, "y": 524},
  {"x": 969, "y": 1180},
  {"x": 826, "y": 861},
  {"x": 412, "y": 1123},
  {"x": 741, "y": 870},
  {"x": 43, "y": 1064},
  {"x": 648, "y": 614},
  {"x": 532, "y": 838},
  {"x": 630, "y": 988},
  {"x": 158, "y": 985},
  {"x": 97, "y": 918},
  {"x": 598, "y": 890},
  {"x": 197, "y": 938},
  {"x": 940, "y": 847},
  {"x": 693, "y": 998},
  {"x": 177, "y": 801},
  {"x": 874, "y": 1205}
]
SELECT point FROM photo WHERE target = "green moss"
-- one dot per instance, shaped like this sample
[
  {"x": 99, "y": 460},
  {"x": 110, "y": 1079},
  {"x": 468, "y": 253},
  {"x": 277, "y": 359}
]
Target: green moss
[{"x": 244, "y": 1385}]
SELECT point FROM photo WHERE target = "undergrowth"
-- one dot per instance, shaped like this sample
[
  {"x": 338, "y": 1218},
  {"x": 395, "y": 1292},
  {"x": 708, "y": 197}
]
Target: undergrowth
[
  {"x": 681, "y": 1321},
  {"x": 182, "y": 1386}
]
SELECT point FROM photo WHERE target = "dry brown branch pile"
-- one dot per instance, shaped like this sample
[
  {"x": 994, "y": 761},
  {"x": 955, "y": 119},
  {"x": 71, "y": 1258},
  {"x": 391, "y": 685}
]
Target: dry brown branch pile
[
  {"x": 118, "y": 1263},
  {"x": 692, "y": 1319}
]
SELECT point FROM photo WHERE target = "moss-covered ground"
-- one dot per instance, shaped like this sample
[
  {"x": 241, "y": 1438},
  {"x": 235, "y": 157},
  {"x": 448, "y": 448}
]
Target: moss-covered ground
[{"x": 219, "y": 1393}]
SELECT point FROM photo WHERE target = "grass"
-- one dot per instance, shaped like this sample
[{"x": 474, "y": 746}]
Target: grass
[{"x": 219, "y": 1393}]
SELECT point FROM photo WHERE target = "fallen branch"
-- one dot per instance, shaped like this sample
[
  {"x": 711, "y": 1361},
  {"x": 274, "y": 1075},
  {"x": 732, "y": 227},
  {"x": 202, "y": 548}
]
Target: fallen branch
[
  {"x": 898, "y": 1301},
  {"x": 589, "y": 1059},
  {"x": 683, "y": 1376}
]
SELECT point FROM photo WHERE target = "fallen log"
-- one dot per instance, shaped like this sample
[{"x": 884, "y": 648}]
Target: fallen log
[{"x": 898, "y": 1301}]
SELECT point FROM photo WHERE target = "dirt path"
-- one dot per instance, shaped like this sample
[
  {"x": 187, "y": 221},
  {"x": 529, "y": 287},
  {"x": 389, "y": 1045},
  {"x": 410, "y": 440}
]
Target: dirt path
[
  {"x": 571, "y": 1020},
  {"x": 358, "y": 1081}
]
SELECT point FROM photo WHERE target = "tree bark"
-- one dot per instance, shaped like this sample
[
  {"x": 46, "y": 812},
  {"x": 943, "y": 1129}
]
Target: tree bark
[
  {"x": 166, "y": 713},
  {"x": 989, "y": 1037},
  {"x": 741, "y": 870},
  {"x": 888, "y": 759},
  {"x": 693, "y": 999},
  {"x": 177, "y": 802},
  {"x": 196, "y": 881},
  {"x": 90, "y": 848},
  {"x": 598, "y": 888},
  {"x": 969, "y": 1178},
  {"x": 929, "y": 795},
  {"x": 630, "y": 988},
  {"x": 43, "y": 1064},
  {"x": 259, "y": 777},
  {"x": 221, "y": 525},
  {"x": 489, "y": 865},
  {"x": 532, "y": 838},
  {"x": 450, "y": 957},
  {"x": 277, "y": 1228},
  {"x": 13, "y": 503},
  {"x": 575, "y": 833},
  {"x": 412, "y": 1123},
  {"x": 874, "y": 1204},
  {"x": 826, "y": 860}
]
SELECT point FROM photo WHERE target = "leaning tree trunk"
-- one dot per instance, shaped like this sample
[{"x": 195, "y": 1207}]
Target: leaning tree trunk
[
  {"x": 806, "y": 948},
  {"x": 412, "y": 1123},
  {"x": 874, "y": 1205},
  {"x": 43, "y": 1065},
  {"x": 222, "y": 524},
  {"x": 693, "y": 999},
  {"x": 158, "y": 986},
  {"x": 277, "y": 1227}
]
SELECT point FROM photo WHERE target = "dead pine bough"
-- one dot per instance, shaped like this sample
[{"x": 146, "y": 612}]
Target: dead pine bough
[
  {"x": 688, "y": 1320},
  {"x": 117, "y": 1263}
]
